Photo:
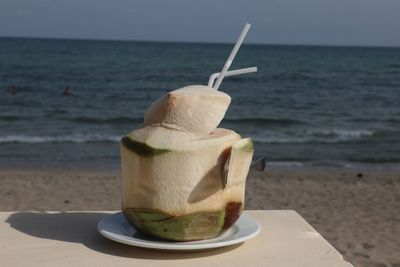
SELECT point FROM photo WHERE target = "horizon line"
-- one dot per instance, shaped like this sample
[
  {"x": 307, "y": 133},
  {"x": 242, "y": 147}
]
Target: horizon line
[{"x": 197, "y": 42}]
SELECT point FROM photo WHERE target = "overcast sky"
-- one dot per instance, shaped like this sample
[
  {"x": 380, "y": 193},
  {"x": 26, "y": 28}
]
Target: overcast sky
[{"x": 325, "y": 22}]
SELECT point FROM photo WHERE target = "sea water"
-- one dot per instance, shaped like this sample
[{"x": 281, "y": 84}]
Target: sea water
[{"x": 307, "y": 105}]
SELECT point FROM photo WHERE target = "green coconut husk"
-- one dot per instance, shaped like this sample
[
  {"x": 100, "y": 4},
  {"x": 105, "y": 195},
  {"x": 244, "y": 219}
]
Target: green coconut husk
[{"x": 187, "y": 227}]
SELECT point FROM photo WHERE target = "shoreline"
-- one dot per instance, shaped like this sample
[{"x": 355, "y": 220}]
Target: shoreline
[{"x": 114, "y": 166}]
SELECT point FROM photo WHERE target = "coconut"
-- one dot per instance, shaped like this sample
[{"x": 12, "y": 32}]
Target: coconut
[
  {"x": 183, "y": 178},
  {"x": 197, "y": 109}
]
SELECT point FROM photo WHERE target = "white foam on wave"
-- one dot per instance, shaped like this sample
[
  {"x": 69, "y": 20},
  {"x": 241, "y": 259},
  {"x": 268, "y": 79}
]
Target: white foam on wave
[
  {"x": 74, "y": 138},
  {"x": 284, "y": 164},
  {"x": 278, "y": 139},
  {"x": 341, "y": 133},
  {"x": 315, "y": 135}
]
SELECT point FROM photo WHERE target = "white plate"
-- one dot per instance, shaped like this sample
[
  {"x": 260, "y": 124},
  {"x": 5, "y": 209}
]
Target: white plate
[{"x": 117, "y": 228}]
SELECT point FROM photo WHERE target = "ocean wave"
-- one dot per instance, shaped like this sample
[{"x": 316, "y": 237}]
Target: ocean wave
[
  {"x": 265, "y": 121},
  {"x": 251, "y": 120},
  {"x": 310, "y": 136},
  {"x": 99, "y": 120},
  {"x": 341, "y": 133},
  {"x": 79, "y": 119},
  {"x": 139, "y": 120},
  {"x": 284, "y": 164},
  {"x": 75, "y": 138},
  {"x": 317, "y": 135}
]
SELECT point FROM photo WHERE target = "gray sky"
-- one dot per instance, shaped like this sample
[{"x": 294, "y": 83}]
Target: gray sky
[{"x": 326, "y": 22}]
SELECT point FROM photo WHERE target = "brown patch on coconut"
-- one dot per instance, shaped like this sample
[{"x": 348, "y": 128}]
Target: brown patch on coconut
[{"x": 232, "y": 213}]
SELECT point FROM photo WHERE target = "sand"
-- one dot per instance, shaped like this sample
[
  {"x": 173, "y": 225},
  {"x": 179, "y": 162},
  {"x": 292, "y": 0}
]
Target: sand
[{"x": 360, "y": 216}]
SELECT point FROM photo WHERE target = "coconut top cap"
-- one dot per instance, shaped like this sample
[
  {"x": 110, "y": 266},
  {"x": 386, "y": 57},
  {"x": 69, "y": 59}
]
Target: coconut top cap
[{"x": 197, "y": 109}]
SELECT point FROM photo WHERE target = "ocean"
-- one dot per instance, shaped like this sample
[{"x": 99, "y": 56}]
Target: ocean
[{"x": 306, "y": 106}]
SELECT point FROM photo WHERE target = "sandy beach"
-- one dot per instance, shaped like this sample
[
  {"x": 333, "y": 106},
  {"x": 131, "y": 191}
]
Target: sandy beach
[{"x": 358, "y": 213}]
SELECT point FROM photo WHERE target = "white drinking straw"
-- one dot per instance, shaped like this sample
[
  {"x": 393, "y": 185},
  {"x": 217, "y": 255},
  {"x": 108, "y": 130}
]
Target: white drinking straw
[
  {"x": 230, "y": 73},
  {"x": 232, "y": 56}
]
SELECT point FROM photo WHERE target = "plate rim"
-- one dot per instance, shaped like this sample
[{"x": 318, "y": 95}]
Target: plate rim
[{"x": 160, "y": 245}]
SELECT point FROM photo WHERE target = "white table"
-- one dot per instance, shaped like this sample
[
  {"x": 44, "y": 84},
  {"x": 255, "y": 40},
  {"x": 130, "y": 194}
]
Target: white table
[{"x": 71, "y": 239}]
